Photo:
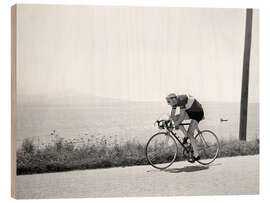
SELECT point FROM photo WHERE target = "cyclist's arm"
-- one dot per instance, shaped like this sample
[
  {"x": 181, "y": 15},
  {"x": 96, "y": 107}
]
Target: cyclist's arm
[
  {"x": 179, "y": 121},
  {"x": 173, "y": 111}
]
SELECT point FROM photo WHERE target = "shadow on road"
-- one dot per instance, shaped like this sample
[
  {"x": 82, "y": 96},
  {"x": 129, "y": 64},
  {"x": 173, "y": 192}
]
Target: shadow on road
[
  {"x": 216, "y": 164},
  {"x": 192, "y": 168},
  {"x": 186, "y": 169}
]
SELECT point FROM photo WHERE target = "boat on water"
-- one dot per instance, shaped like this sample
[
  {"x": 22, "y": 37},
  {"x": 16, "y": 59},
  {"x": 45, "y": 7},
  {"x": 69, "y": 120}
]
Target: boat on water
[{"x": 223, "y": 120}]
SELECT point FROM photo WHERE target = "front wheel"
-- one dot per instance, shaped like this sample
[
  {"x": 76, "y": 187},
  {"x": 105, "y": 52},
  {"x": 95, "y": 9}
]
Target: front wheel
[
  {"x": 161, "y": 150},
  {"x": 208, "y": 146}
]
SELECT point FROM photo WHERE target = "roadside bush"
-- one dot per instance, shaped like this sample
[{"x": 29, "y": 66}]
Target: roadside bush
[
  {"x": 63, "y": 155},
  {"x": 28, "y": 146}
]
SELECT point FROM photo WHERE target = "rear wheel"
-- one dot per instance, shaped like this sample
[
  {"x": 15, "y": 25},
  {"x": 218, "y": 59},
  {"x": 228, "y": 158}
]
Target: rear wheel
[
  {"x": 208, "y": 146},
  {"x": 161, "y": 150}
]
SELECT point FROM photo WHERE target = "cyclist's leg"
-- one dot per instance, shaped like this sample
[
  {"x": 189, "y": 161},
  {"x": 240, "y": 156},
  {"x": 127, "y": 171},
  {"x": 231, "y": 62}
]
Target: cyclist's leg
[
  {"x": 179, "y": 119},
  {"x": 192, "y": 127},
  {"x": 183, "y": 130}
]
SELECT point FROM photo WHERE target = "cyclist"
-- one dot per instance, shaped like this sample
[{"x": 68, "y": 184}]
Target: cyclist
[{"x": 190, "y": 108}]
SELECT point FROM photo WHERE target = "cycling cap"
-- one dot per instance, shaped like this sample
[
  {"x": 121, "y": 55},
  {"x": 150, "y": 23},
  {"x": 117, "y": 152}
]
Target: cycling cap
[{"x": 170, "y": 96}]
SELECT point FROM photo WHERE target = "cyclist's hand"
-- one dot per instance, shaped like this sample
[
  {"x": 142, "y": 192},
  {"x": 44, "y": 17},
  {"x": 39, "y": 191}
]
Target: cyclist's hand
[{"x": 161, "y": 125}]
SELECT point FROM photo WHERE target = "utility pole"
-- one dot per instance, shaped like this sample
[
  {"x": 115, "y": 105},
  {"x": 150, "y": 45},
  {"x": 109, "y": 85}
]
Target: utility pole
[{"x": 245, "y": 76}]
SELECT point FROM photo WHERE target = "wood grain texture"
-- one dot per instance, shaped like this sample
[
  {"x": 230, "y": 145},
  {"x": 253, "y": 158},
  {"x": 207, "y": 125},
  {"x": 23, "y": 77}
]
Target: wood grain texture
[{"x": 13, "y": 100}]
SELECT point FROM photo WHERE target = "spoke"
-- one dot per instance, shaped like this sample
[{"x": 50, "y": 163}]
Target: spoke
[
  {"x": 203, "y": 140},
  {"x": 161, "y": 150},
  {"x": 208, "y": 146},
  {"x": 167, "y": 139}
]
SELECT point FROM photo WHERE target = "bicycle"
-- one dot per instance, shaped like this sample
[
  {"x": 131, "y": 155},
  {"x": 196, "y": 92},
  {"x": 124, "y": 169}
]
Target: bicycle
[{"x": 161, "y": 149}]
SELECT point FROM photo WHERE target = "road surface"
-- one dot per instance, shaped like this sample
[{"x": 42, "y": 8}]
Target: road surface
[{"x": 226, "y": 176}]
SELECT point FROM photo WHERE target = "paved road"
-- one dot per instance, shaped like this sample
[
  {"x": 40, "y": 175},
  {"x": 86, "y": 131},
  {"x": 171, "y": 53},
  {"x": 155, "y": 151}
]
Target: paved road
[{"x": 226, "y": 176}]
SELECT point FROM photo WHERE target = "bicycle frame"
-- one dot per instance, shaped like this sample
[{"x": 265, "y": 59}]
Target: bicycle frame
[
  {"x": 174, "y": 135},
  {"x": 170, "y": 130}
]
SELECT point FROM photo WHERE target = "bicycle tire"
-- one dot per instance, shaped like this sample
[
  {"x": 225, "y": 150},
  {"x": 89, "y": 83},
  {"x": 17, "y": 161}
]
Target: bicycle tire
[
  {"x": 210, "y": 152},
  {"x": 162, "y": 161}
]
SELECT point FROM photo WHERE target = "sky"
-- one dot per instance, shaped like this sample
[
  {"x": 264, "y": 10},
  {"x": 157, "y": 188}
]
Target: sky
[{"x": 134, "y": 53}]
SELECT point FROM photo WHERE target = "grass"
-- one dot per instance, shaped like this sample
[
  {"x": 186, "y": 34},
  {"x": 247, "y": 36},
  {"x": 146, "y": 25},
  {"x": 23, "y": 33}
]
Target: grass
[{"x": 64, "y": 155}]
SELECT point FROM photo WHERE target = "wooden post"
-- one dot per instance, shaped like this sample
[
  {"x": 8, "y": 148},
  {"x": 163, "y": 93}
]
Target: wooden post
[{"x": 245, "y": 76}]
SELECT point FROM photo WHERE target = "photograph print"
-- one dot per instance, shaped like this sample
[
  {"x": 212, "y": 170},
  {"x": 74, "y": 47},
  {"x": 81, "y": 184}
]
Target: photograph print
[{"x": 115, "y": 101}]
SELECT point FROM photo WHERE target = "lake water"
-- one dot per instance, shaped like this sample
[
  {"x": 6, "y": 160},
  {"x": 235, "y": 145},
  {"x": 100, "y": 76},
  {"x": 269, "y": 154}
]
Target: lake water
[{"x": 123, "y": 121}]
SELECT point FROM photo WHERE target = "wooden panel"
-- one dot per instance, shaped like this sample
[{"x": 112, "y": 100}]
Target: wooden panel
[{"x": 13, "y": 100}]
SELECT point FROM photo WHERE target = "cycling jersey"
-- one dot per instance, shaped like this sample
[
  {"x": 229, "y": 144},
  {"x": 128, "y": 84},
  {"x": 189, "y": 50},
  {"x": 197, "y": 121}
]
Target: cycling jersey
[{"x": 192, "y": 107}]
